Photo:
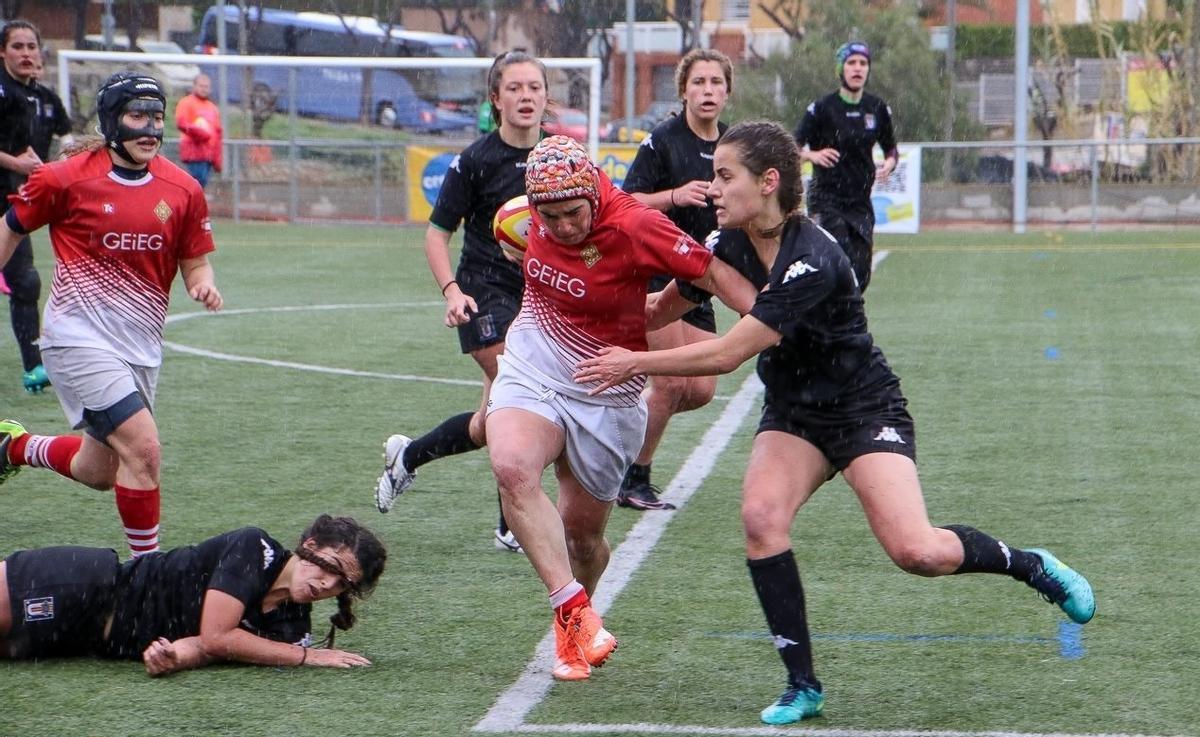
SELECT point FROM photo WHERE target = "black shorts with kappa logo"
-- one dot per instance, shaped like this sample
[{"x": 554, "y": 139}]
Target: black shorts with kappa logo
[
  {"x": 497, "y": 306},
  {"x": 60, "y": 599},
  {"x": 888, "y": 428}
]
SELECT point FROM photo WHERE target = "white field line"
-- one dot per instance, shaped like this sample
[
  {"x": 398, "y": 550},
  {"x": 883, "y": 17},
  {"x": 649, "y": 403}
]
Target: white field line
[
  {"x": 181, "y": 348},
  {"x": 509, "y": 711}
]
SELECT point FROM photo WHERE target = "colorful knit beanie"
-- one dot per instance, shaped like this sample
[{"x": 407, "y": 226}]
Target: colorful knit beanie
[{"x": 558, "y": 169}]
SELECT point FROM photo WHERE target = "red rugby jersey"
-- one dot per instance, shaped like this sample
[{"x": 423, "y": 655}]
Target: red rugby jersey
[
  {"x": 579, "y": 299},
  {"x": 118, "y": 244}
]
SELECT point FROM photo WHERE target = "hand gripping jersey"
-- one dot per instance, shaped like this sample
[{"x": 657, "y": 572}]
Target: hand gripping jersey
[
  {"x": 118, "y": 245},
  {"x": 827, "y": 361},
  {"x": 579, "y": 299}
]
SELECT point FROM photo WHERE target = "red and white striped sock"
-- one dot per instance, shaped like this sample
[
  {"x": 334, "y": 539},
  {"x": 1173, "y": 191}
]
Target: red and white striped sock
[
  {"x": 139, "y": 511},
  {"x": 568, "y": 598},
  {"x": 46, "y": 451}
]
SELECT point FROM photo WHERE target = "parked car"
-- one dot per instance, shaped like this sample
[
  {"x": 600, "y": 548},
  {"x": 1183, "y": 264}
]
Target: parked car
[
  {"x": 177, "y": 78},
  {"x": 567, "y": 121}
]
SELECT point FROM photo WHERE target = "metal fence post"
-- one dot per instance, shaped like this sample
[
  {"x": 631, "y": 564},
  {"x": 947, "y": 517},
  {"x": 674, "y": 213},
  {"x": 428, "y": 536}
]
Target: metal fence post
[
  {"x": 293, "y": 190},
  {"x": 236, "y": 150},
  {"x": 378, "y": 183},
  {"x": 1094, "y": 165}
]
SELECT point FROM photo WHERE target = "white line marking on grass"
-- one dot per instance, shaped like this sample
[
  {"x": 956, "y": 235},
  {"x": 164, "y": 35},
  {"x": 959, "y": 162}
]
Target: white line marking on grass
[
  {"x": 645, "y": 728},
  {"x": 878, "y": 258},
  {"x": 509, "y": 711},
  {"x": 180, "y": 348}
]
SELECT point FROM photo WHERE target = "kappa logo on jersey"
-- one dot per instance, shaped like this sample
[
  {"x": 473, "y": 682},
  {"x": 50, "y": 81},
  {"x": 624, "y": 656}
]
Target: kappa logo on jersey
[
  {"x": 590, "y": 255},
  {"x": 206, "y": 225},
  {"x": 889, "y": 435},
  {"x": 162, "y": 211},
  {"x": 869, "y": 121},
  {"x": 454, "y": 164},
  {"x": 648, "y": 142},
  {"x": 710, "y": 240},
  {"x": 107, "y": 208},
  {"x": 812, "y": 107},
  {"x": 268, "y": 554},
  {"x": 39, "y": 610},
  {"x": 798, "y": 269}
]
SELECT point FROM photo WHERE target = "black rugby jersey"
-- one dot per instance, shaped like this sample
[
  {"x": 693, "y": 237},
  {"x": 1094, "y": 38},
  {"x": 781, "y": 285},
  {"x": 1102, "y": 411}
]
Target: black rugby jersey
[
  {"x": 673, "y": 155},
  {"x": 162, "y": 594},
  {"x": 30, "y": 115},
  {"x": 827, "y": 360},
  {"x": 852, "y": 129},
  {"x": 483, "y": 177}
]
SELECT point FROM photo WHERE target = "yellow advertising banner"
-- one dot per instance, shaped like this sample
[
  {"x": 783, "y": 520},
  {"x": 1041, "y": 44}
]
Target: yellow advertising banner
[{"x": 427, "y": 167}]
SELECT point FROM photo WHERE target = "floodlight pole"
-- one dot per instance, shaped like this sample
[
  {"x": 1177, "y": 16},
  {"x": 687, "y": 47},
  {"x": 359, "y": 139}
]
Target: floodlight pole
[
  {"x": 1021, "y": 119},
  {"x": 630, "y": 60}
]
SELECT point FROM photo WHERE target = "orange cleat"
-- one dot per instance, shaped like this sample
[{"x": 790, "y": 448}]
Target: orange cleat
[
  {"x": 587, "y": 630},
  {"x": 569, "y": 664}
]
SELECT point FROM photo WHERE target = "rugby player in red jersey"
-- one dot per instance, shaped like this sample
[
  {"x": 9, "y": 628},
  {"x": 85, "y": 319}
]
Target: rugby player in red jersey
[
  {"x": 123, "y": 221},
  {"x": 592, "y": 250}
]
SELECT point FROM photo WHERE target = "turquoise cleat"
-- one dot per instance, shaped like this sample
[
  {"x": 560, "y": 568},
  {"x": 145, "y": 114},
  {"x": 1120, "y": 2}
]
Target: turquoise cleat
[
  {"x": 35, "y": 380},
  {"x": 795, "y": 704},
  {"x": 1060, "y": 584}
]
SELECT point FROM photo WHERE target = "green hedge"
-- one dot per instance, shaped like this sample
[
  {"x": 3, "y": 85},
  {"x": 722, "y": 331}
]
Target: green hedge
[{"x": 973, "y": 42}]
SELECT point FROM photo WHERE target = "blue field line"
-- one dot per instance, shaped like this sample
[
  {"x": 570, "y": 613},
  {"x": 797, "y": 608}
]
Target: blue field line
[{"x": 1070, "y": 640}]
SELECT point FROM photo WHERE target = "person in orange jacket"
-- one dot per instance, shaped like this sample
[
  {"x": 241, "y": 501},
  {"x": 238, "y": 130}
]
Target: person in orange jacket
[{"x": 199, "y": 121}]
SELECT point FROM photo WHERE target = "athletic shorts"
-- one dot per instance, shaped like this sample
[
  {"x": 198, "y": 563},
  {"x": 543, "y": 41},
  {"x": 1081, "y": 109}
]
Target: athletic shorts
[
  {"x": 889, "y": 429},
  {"x": 601, "y": 440},
  {"x": 497, "y": 304},
  {"x": 94, "y": 380},
  {"x": 701, "y": 316},
  {"x": 60, "y": 599}
]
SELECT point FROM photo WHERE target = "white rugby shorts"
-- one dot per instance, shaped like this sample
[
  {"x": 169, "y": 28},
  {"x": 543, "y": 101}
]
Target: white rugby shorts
[{"x": 601, "y": 440}]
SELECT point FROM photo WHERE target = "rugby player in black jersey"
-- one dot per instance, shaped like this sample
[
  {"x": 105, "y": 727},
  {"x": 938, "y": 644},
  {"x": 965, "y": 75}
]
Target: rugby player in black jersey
[
  {"x": 832, "y": 405},
  {"x": 671, "y": 172},
  {"x": 484, "y": 294},
  {"x": 239, "y": 597},
  {"x": 838, "y": 134}
]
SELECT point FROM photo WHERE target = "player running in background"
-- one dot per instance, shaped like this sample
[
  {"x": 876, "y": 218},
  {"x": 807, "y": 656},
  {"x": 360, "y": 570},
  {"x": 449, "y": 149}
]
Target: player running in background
[
  {"x": 671, "y": 172},
  {"x": 591, "y": 250},
  {"x": 239, "y": 597},
  {"x": 30, "y": 116},
  {"x": 838, "y": 134},
  {"x": 123, "y": 221},
  {"x": 484, "y": 294},
  {"x": 832, "y": 404}
]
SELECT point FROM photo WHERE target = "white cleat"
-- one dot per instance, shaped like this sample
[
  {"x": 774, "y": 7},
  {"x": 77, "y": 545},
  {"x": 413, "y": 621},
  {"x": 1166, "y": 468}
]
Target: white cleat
[
  {"x": 507, "y": 541},
  {"x": 396, "y": 478}
]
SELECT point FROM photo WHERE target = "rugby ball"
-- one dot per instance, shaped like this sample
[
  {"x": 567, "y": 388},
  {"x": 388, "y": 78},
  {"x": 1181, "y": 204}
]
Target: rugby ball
[{"x": 511, "y": 227}]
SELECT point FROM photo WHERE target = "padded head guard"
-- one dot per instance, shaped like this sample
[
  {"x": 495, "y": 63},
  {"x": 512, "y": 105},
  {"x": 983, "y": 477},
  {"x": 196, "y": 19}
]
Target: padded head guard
[{"x": 120, "y": 93}]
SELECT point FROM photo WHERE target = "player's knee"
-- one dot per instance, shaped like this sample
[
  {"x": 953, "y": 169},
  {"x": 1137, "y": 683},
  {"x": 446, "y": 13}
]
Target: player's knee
[
  {"x": 144, "y": 457},
  {"x": 667, "y": 391},
  {"x": 915, "y": 557},
  {"x": 700, "y": 391},
  {"x": 514, "y": 479},
  {"x": 762, "y": 522},
  {"x": 584, "y": 545}
]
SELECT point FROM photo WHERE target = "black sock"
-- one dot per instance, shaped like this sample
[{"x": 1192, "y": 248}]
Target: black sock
[
  {"x": 502, "y": 525},
  {"x": 781, "y": 595},
  {"x": 636, "y": 475},
  {"x": 449, "y": 438},
  {"x": 983, "y": 553}
]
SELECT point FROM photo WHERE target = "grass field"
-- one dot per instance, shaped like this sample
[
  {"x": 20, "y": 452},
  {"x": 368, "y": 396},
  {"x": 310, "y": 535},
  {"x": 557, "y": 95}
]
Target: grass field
[{"x": 1054, "y": 385}]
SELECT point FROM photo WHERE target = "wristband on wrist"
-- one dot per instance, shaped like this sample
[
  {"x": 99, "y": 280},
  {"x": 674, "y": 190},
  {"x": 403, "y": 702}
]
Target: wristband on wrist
[
  {"x": 452, "y": 281},
  {"x": 303, "y": 657},
  {"x": 672, "y": 197}
]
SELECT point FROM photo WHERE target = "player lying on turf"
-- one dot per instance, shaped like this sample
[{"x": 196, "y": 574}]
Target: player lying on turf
[{"x": 239, "y": 597}]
